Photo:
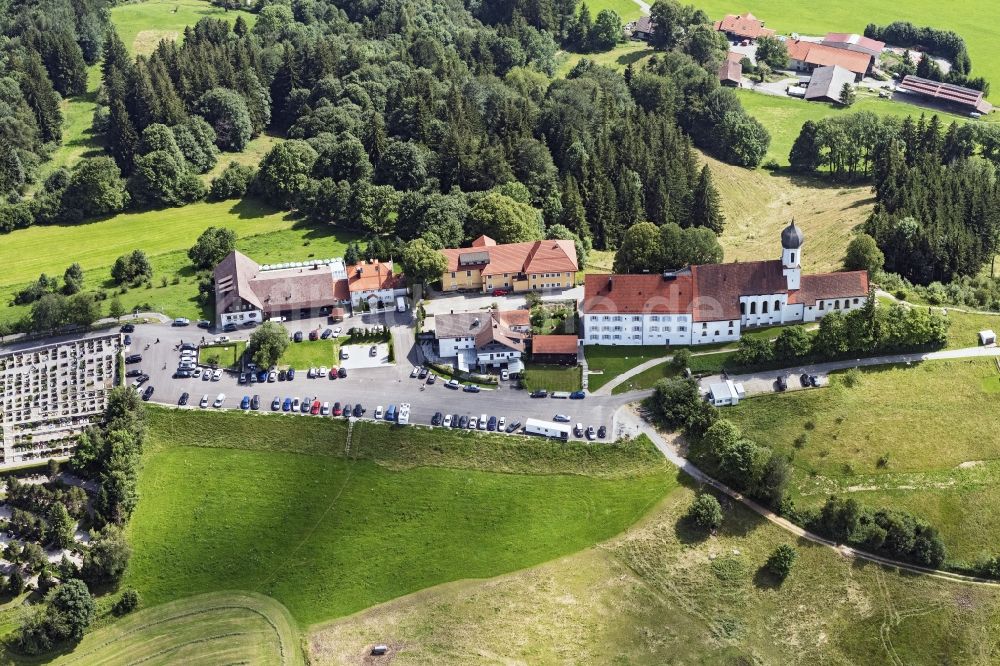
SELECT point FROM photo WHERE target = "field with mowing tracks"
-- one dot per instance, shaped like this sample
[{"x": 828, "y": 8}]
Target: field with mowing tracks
[
  {"x": 974, "y": 20},
  {"x": 759, "y": 204},
  {"x": 935, "y": 424},
  {"x": 142, "y": 25},
  {"x": 271, "y": 504},
  {"x": 659, "y": 594},
  {"x": 223, "y": 627}
]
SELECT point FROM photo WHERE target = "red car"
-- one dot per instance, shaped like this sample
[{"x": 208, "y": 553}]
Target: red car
[
  {"x": 314, "y": 334},
  {"x": 500, "y": 292},
  {"x": 337, "y": 409},
  {"x": 333, "y": 373},
  {"x": 315, "y": 408}
]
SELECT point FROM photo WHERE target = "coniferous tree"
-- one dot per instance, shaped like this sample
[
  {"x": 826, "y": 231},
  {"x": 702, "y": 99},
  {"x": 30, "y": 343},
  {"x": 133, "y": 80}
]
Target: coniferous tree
[{"x": 705, "y": 208}]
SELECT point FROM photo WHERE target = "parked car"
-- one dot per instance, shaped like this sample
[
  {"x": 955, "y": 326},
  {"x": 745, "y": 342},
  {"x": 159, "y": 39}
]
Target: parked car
[
  {"x": 358, "y": 410},
  {"x": 181, "y": 321},
  {"x": 578, "y": 430},
  {"x": 242, "y": 379},
  {"x": 327, "y": 333},
  {"x": 229, "y": 328},
  {"x": 342, "y": 373},
  {"x": 184, "y": 399},
  {"x": 314, "y": 410},
  {"x": 500, "y": 292},
  {"x": 322, "y": 371},
  {"x": 325, "y": 409},
  {"x": 290, "y": 375},
  {"x": 347, "y": 410},
  {"x": 219, "y": 400},
  {"x": 463, "y": 421},
  {"x": 491, "y": 425},
  {"x": 128, "y": 340},
  {"x": 262, "y": 376},
  {"x": 255, "y": 402},
  {"x": 561, "y": 418},
  {"x": 337, "y": 409},
  {"x": 148, "y": 393},
  {"x": 804, "y": 380},
  {"x": 217, "y": 375},
  {"x": 514, "y": 425},
  {"x": 204, "y": 323},
  {"x": 373, "y": 350},
  {"x": 422, "y": 374},
  {"x": 337, "y": 330},
  {"x": 306, "y": 402},
  {"x": 414, "y": 372},
  {"x": 602, "y": 432},
  {"x": 298, "y": 336},
  {"x": 470, "y": 388},
  {"x": 141, "y": 379},
  {"x": 333, "y": 372},
  {"x": 183, "y": 373},
  {"x": 282, "y": 375},
  {"x": 127, "y": 328},
  {"x": 446, "y": 422},
  {"x": 134, "y": 372},
  {"x": 286, "y": 406},
  {"x": 314, "y": 334},
  {"x": 540, "y": 393},
  {"x": 344, "y": 354},
  {"x": 577, "y": 395},
  {"x": 473, "y": 423},
  {"x": 276, "y": 404},
  {"x": 133, "y": 358},
  {"x": 378, "y": 413},
  {"x": 311, "y": 373},
  {"x": 431, "y": 378},
  {"x": 188, "y": 346},
  {"x": 437, "y": 419},
  {"x": 206, "y": 375},
  {"x": 245, "y": 402},
  {"x": 295, "y": 404},
  {"x": 197, "y": 373},
  {"x": 501, "y": 422},
  {"x": 204, "y": 401},
  {"x": 272, "y": 377},
  {"x": 452, "y": 384},
  {"x": 591, "y": 432},
  {"x": 504, "y": 375}
]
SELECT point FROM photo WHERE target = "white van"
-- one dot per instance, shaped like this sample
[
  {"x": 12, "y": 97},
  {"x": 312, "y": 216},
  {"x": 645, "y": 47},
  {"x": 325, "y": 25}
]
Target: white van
[
  {"x": 404, "y": 414},
  {"x": 482, "y": 421}
]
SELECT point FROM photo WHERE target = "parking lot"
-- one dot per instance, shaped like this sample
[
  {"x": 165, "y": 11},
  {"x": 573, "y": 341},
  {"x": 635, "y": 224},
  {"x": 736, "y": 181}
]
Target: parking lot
[{"x": 370, "y": 386}]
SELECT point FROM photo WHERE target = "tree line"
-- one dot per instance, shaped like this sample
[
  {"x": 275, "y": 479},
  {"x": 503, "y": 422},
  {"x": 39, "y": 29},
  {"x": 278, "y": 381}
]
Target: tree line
[
  {"x": 938, "y": 201},
  {"x": 942, "y": 43}
]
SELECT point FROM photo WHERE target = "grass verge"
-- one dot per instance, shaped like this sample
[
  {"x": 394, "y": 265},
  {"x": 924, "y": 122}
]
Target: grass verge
[{"x": 552, "y": 377}]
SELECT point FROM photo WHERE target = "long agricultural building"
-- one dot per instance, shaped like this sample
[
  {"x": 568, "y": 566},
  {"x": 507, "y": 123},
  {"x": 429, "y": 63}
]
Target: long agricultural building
[
  {"x": 968, "y": 100},
  {"x": 711, "y": 303}
]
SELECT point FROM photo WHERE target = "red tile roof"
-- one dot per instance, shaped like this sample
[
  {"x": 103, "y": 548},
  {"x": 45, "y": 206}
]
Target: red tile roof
[
  {"x": 483, "y": 241},
  {"x": 830, "y": 285},
  {"x": 554, "y": 344},
  {"x": 820, "y": 55},
  {"x": 547, "y": 256},
  {"x": 637, "y": 294},
  {"x": 945, "y": 91},
  {"x": 718, "y": 287},
  {"x": 744, "y": 25},
  {"x": 372, "y": 276},
  {"x": 853, "y": 41}
]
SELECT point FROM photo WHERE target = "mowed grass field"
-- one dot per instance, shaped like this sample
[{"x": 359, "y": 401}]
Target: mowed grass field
[
  {"x": 628, "y": 10},
  {"x": 552, "y": 377},
  {"x": 271, "y": 504},
  {"x": 265, "y": 235},
  {"x": 934, "y": 426},
  {"x": 142, "y": 25},
  {"x": 224, "y": 627},
  {"x": 974, "y": 20},
  {"x": 759, "y": 204},
  {"x": 618, "y": 58},
  {"x": 661, "y": 594}
]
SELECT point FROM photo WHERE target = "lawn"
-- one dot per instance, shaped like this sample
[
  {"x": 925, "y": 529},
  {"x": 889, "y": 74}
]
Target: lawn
[
  {"x": 226, "y": 627},
  {"x": 660, "y": 594},
  {"x": 974, "y": 20},
  {"x": 784, "y": 116},
  {"x": 552, "y": 377},
  {"x": 309, "y": 354},
  {"x": 920, "y": 438},
  {"x": 225, "y": 355},
  {"x": 271, "y": 505},
  {"x": 142, "y": 25},
  {"x": 699, "y": 364},
  {"x": 628, "y": 10},
  {"x": 965, "y": 326},
  {"x": 612, "y": 361}
]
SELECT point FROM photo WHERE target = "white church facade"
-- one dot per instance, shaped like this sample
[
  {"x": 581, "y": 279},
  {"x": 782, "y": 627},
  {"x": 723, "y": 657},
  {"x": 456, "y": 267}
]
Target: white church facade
[{"x": 712, "y": 303}]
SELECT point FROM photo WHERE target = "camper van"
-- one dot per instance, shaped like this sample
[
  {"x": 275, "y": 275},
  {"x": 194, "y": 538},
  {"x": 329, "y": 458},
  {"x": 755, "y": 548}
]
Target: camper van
[
  {"x": 404, "y": 414},
  {"x": 547, "y": 429}
]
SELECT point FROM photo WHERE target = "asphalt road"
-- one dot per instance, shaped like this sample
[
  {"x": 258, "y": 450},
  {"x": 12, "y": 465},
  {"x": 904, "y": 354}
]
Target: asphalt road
[{"x": 369, "y": 386}]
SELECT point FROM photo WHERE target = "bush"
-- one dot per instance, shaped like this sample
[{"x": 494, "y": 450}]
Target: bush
[
  {"x": 781, "y": 560},
  {"x": 705, "y": 512},
  {"x": 232, "y": 183},
  {"x": 127, "y": 603},
  {"x": 681, "y": 359}
]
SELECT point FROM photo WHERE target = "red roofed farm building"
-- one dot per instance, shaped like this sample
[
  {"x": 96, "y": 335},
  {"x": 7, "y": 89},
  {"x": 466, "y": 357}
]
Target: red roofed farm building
[
  {"x": 715, "y": 302},
  {"x": 516, "y": 267},
  {"x": 806, "y": 56},
  {"x": 743, "y": 26}
]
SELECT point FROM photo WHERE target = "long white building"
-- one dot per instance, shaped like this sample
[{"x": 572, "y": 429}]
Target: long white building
[{"x": 714, "y": 302}]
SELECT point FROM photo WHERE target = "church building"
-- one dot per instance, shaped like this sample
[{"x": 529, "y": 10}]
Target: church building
[{"x": 712, "y": 303}]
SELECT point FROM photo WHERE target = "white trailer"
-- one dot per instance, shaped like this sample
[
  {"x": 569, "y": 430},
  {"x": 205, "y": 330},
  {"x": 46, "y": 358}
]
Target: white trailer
[
  {"x": 404, "y": 414},
  {"x": 547, "y": 428}
]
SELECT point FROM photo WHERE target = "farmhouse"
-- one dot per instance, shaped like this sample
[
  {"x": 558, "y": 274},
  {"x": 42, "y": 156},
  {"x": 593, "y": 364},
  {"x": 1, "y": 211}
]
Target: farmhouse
[
  {"x": 827, "y": 83},
  {"x": 517, "y": 267},
  {"x": 731, "y": 73},
  {"x": 483, "y": 339},
  {"x": 854, "y": 42},
  {"x": 714, "y": 302},
  {"x": 642, "y": 29},
  {"x": 965, "y": 99},
  {"x": 806, "y": 56},
  {"x": 247, "y": 292},
  {"x": 743, "y": 26},
  {"x": 555, "y": 349}
]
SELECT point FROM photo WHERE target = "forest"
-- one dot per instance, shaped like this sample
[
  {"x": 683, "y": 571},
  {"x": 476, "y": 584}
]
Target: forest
[
  {"x": 937, "y": 216},
  {"x": 402, "y": 119}
]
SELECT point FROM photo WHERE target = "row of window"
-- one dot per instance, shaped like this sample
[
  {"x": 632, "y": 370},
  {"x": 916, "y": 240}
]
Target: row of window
[
  {"x": 636, "y": 317},
  {"x": 763, "y": 307}
]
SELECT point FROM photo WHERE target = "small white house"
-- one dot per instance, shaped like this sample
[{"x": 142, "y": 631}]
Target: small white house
[
  {"x": 987, "y": 337},
  {"x": 726, "y": 393}
]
